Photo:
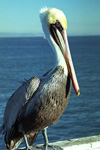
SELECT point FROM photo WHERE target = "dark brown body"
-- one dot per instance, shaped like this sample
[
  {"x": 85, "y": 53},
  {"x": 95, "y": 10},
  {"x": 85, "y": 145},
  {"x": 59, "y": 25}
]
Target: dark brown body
[
  {"x": 50, "y": 99},
  {"x": 45, "y": 106}
]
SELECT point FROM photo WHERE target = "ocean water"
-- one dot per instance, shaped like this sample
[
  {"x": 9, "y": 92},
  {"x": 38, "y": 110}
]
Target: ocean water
[{"x": 22, "y": 58}]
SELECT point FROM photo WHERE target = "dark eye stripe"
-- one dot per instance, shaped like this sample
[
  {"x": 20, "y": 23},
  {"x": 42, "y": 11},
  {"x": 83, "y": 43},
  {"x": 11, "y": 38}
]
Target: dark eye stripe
[
  {"x": 54, "y": 34},
  {"x": 58, "y": 26}
]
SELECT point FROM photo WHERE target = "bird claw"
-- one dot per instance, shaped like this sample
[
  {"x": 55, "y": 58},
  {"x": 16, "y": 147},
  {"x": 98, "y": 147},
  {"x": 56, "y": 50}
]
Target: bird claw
[
  {"x": 44, "y": 147},
  {"x": 29, "y": 148},
  {"x": 51, "y": 147}
]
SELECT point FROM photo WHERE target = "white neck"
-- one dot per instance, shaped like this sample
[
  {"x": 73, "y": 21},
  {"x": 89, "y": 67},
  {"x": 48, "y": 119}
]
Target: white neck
[{"x": 60, "y": 60}]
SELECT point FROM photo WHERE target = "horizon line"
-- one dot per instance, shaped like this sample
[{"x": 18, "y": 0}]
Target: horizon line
[{"x": 4, "y": 35}]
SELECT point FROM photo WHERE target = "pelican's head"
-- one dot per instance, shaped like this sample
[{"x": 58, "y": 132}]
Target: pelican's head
[{"x": 54, "y": 25}]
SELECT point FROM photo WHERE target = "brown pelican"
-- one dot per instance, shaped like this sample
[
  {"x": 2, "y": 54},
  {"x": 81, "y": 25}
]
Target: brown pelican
[{"x": 40, "y": 102}]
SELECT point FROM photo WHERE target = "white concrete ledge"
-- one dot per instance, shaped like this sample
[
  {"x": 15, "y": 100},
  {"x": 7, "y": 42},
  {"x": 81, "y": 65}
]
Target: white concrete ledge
[{"x": 85, "y": 143}]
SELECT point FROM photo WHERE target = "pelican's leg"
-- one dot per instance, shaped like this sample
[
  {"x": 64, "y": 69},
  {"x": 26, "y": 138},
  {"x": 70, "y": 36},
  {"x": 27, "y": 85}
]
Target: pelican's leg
[
  {"x": 26, "y": 143},
  {"x": 46, "y": 143}
]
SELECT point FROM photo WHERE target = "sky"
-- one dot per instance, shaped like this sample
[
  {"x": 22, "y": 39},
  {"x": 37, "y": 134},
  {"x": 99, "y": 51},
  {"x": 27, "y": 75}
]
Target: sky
[{"x": 21, "y": 17}]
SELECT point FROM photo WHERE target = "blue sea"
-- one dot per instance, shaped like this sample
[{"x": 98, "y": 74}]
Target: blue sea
[{"x": 23, "y": 58}]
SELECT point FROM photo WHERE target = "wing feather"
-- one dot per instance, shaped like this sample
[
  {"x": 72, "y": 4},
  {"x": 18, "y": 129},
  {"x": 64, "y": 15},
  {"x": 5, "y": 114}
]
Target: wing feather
[{"x": 20, "y": 97}]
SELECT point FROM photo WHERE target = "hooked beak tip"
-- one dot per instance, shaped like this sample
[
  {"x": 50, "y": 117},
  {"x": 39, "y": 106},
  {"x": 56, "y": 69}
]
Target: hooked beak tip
[{"x": 78, "y": 93}]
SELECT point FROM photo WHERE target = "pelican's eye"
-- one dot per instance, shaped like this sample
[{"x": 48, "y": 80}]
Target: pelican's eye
[
  {"x": 58, "y": 26},
  {"x": 56, "y": 32}
]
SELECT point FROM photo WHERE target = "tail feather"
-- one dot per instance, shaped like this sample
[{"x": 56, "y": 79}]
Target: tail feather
[
  {"x": 16, "y": 137},
  {"x": 32, "y": 137},
  {"x": 18, "y": 143}
]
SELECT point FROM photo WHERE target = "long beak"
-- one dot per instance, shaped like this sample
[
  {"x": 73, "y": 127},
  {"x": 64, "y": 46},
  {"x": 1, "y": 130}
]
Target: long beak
[
  {"x": 69, "y": 63},
  {"x": 61, "y": 40}
]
